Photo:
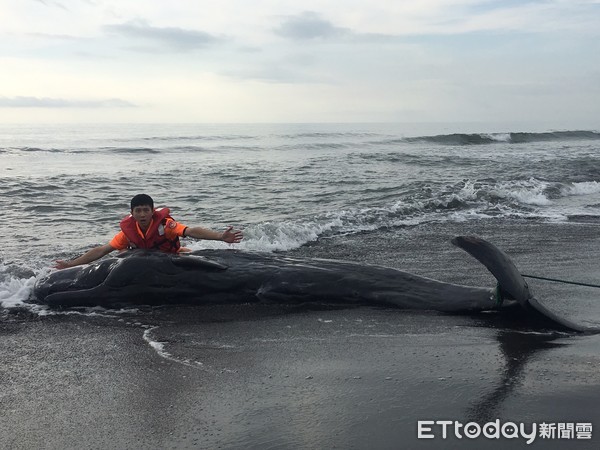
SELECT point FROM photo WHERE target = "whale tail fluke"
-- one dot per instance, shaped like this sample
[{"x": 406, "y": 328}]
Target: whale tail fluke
[
  {"x": 510, "y": 280},
  {"x": 499, "y": 264},
  {"x": 563, "y": 323}
]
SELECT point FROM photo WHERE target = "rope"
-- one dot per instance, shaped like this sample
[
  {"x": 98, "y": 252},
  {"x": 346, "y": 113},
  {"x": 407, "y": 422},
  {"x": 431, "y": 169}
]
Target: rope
[
  {"x": 499, "y": 297},
  {"x": 561, "y": 281}
]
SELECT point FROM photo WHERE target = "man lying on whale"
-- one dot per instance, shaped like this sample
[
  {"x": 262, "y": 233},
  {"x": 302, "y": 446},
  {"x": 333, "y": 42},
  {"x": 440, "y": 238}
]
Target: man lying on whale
[
  {"x": 150, "y": 228},
  {"x": 231, "y": 276}
]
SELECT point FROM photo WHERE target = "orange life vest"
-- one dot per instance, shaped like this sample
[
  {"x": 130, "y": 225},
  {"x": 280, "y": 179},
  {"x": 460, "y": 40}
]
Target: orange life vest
[{"x": 154, "y": 238}]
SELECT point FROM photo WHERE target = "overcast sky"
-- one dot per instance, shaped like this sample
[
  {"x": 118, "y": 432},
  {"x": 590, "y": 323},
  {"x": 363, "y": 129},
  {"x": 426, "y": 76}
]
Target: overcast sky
[{"x": 300, "y": 61}]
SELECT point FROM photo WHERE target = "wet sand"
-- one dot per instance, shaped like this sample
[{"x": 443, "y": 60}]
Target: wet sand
[
  {"x": 259, "y": 376},
  {"x": 358, "y": 378}
]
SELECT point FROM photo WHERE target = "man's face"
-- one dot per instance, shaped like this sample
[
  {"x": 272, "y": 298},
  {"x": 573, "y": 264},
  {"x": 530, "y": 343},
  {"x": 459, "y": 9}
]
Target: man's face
[{"x": 142, "y": 214}]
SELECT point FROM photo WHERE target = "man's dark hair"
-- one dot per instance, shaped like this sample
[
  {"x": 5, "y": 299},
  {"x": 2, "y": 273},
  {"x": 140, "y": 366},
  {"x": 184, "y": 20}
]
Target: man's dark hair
[{"x": 141, "y": 200}]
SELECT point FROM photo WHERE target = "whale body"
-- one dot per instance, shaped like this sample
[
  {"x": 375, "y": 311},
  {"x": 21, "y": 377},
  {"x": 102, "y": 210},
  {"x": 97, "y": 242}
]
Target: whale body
[{"x": 231, "y": 276}]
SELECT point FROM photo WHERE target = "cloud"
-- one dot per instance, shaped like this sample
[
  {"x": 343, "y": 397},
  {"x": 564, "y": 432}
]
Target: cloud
[
  {"x": 433, "y": 18},
  {"x": 37, "y": 102},
  {"x": 309, "y": 25},
  {"x": 172, "y": 38},
  {"x": 51, "y": 3}
]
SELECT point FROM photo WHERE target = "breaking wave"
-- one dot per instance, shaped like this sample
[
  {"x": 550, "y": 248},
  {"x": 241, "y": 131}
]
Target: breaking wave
[
  {"x": 511, "y": 138},
  {"x": 462, "y": 201}
]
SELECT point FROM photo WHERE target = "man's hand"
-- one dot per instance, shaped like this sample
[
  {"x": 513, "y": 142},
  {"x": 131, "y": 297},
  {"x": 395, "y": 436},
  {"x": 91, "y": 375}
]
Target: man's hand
[
  {"x": 232, "y": 236},
  {"x": 60, "y": 264}
]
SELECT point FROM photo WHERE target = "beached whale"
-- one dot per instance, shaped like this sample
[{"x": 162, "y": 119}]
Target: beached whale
[{"x": 231, "y": 276}]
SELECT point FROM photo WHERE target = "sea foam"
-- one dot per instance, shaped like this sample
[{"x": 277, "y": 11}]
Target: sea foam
[
  {"x": 15, "y": 291},
  {"x": 583, "y": 188}
]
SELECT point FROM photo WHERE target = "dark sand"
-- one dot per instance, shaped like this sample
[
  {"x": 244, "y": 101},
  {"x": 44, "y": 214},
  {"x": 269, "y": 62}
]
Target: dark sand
[{"x": 256, "y": 376}]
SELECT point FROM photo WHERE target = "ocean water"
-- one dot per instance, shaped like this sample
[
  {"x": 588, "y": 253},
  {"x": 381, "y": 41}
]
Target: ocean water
[
  {"x": 64, "y": 188},
  {"x": 271, "y": 376}
]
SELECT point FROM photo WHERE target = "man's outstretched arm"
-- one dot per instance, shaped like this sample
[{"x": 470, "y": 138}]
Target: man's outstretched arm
[
  {"x": 89, "y": 256},
  {"x": 229, "y": 235}
]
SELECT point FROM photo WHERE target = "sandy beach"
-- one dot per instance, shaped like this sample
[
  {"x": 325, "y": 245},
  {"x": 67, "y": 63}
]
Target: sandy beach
[{"x": 266, "y": 376}]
